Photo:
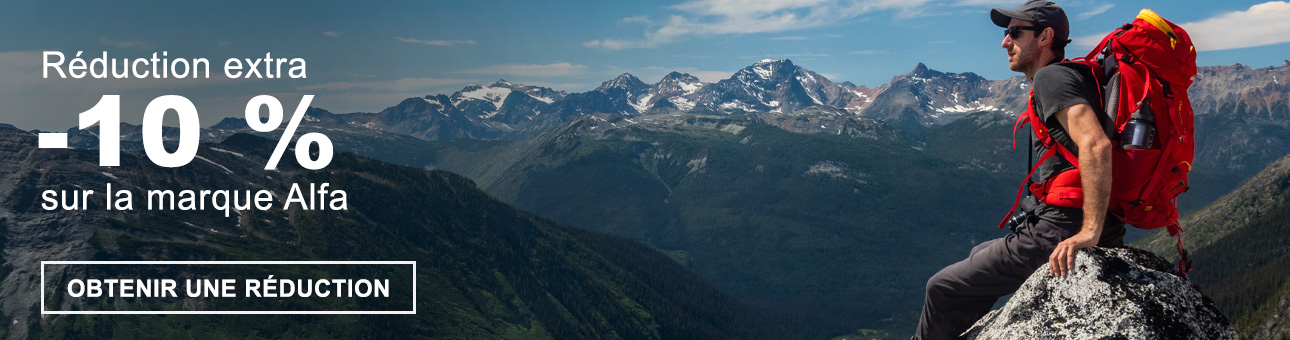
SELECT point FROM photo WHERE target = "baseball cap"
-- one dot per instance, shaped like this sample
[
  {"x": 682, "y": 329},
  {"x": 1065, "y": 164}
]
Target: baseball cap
[{"x": 1041, "y": 12}]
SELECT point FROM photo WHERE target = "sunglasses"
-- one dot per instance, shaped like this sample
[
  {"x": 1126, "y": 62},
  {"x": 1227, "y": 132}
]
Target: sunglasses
[{"x": 1015, "y": 31}]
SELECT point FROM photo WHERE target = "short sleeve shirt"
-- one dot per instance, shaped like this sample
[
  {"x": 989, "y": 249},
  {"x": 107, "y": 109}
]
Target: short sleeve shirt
[
  {"x": 1056, "y": 87},
  {"x": 1059, "y": 86}
]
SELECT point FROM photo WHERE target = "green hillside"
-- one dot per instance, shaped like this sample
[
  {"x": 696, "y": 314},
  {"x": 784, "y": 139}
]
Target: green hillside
[{"x": 1240, "y": 248}]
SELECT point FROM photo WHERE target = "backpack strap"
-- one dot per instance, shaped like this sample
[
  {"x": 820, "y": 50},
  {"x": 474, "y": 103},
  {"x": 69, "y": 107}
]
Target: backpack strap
[
  {"x": 1184, "y": 265},
  {"x": 1021, "y": 191},
  {"x": 1023, "y": 119},
  {"x": 1069, "y": 193}
]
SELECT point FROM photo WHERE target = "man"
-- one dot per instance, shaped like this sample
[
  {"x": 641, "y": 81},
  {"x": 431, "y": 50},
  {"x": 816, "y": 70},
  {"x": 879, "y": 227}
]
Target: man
[{"x": 1067, "y": 101}]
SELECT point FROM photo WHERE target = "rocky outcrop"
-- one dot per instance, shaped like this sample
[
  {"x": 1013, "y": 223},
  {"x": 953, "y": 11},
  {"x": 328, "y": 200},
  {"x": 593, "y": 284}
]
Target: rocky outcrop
[
  {"x": 1277, "y": 325},
  {"x": 1114, "y": 293}
]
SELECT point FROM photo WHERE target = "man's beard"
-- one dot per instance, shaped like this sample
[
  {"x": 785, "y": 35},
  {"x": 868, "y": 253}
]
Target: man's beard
[{"x": 1024, "y": 60}]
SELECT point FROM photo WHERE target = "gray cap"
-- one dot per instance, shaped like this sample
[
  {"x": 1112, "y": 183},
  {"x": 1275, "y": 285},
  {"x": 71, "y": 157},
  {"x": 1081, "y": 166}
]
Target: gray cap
[{"x": 1041, "y": 12}]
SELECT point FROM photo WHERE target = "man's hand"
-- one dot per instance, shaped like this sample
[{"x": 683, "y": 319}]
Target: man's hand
[
  {"x": 1095, "y": 179},
  {"x": 1062, "y": 261}
]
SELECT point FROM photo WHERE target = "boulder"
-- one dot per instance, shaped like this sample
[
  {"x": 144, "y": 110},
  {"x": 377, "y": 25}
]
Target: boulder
[{"x": 1113, "y": 293}]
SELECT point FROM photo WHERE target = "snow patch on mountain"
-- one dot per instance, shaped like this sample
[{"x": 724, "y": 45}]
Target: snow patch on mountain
[
  {"x": 642, "y": 104},
  {"x": 960, "y": 108},
  {"x": 813, "y": 98},
  {"x": 229, "y": 152},
  {"x": 697, "y": 165},
  {"x": 682, "y": 103},
  {"x": 835, "y": 170},
  {"x": 734, "y": 105},
  {"x": 543, "y": 99},
  {"x": 688, "y": 88},
  {"x": 733, "y": 129},
  {"x": 496, "y": 95},
  {"x": 216, "y": 164}
]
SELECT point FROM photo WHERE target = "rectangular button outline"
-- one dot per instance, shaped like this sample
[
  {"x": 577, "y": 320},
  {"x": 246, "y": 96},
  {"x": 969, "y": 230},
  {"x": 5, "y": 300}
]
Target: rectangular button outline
[{"x": 159, "y": 312}]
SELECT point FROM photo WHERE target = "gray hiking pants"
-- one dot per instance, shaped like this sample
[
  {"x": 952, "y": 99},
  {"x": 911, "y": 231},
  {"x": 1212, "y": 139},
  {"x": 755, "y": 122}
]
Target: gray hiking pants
[{"x": 963, "y": 292}]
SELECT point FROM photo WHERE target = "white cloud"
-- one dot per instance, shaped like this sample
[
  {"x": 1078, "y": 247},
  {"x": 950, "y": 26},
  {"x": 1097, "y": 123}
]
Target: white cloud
[
  {"x": 1094, "y": 12},
  {"x": 617, "y": 44},
  {"x": 636, "y": 19},
  {"x": 124, "y": 44},
  {"x": 531, "y": 70},
  {"x": 1263, "y": 24},
  {"x": 1088, "y": 41},
  {"x": 436, "y": 42},
  {"x": 722, "y": 17},
  {"x": 405, "y": 84},
  {"x": 333, "y": 34}
]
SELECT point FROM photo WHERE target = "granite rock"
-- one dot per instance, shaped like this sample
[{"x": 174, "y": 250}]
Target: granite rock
[{"x": 1114, "y": 293}]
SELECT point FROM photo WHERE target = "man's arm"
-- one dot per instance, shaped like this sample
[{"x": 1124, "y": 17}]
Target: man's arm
[{"x": 1081, "y": 122}]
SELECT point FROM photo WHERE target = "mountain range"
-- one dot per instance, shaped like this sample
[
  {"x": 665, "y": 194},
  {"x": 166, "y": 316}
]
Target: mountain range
[
  {"x": 1241, "y": 113},
  {"x": 781, "y": 187},
  {"x": 505, "y": 110}
]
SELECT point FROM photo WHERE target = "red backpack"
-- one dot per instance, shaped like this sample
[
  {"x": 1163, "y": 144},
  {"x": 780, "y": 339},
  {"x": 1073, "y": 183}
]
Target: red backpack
[{"x": 1145, "y": 70}]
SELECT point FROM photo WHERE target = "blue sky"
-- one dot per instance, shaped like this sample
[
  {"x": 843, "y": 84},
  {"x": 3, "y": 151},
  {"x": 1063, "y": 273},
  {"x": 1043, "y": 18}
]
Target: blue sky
[{"x": 365, "y": 56}]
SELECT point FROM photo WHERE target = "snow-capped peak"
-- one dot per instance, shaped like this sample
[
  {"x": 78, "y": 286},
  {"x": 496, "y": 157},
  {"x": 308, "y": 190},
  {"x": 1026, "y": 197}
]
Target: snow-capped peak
[
  {"x": 495, "y": 93},
  {"x": 678, "y": 76},
  {"x": 766, "y": 69},
  {"x": 503, "y": 83},
  {"x": 677, "y": 83},
  {"x": 626, "y": 82}
]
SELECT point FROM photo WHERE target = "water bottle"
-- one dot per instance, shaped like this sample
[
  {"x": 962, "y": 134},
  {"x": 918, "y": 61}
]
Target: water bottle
[{"x": 1140, "y": 131}]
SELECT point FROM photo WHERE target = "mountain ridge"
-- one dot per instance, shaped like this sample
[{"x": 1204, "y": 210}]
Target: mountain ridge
[{"x": 493, "y": 111}]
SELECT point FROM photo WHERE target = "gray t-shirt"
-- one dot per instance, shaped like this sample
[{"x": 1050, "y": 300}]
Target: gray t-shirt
[{"x": 1057, "y": 87}]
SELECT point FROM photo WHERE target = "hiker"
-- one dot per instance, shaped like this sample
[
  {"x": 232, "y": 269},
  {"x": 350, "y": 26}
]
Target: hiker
[{"x": 1067, "y": 101}]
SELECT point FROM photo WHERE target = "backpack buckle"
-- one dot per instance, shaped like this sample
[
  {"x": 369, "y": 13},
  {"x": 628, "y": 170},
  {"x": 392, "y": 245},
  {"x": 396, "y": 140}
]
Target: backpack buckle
[{"x": 1164, "y": 85}]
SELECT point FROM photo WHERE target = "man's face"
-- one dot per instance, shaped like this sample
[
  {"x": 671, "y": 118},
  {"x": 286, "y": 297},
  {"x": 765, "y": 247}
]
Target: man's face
[{"x": 1023, "y": 50}]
